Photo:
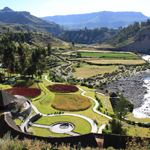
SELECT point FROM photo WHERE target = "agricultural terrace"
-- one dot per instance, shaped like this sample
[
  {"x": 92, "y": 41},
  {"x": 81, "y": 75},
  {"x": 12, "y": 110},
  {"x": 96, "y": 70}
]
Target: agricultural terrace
[
  {"x": 111, "y": 58},
  {"x": 86, "y": 71},
  {"x": 110, "y": 55},
  {"x": 114, "y": 62}
]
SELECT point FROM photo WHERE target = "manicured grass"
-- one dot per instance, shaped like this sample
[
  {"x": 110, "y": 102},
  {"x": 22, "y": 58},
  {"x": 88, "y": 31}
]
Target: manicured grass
[
  {"x": 44, "y": 105},
  {"x": 4, "y": 87},
  {"x": 45, "y": 132},
  {"x": 81, "y": 125},
  {"x": 18, "y": 121},
  {"x": 142, "y": 120},
  {"x": 109, "y": 55},
  {"x": 71, "y": 102},
  {"x": 104, "y": 100},
  {"x": 115, "y": 61},
  {"x": 86, "y": 71}
]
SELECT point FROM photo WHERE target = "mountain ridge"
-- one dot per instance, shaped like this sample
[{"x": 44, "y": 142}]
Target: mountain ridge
[
  {"x": 9, "y": 16},
  {"x": 97, "y": 19}
]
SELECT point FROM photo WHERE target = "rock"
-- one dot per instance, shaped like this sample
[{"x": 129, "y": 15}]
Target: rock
[{"x": 131, "y": 87}]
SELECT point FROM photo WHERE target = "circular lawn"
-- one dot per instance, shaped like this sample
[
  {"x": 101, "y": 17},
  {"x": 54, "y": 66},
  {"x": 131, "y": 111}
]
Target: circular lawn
[
  {"x": 63, "y": 88},
  {"x": 24, "y": 91},
  {"x": 70, "y": 102}
]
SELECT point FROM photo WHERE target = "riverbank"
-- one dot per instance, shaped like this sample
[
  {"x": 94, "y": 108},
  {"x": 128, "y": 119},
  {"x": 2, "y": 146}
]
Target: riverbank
[{"x": 132, "y": 87}]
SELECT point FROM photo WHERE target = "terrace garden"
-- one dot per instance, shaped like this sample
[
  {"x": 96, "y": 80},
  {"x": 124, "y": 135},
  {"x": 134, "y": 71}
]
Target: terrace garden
[
  {"x": 62, "y": 88},
  {"x": 70, "y": 102}
]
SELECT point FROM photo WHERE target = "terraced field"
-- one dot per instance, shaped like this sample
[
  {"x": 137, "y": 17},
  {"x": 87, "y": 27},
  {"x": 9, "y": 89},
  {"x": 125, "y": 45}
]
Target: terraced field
[
  {"x": 110, "y": 55},
  {"x": 86, "y": 70}
]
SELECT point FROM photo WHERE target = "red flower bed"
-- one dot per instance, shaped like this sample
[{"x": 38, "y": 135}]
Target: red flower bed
[
  {"x": 27, "y": 92},
  {"x": 62, "y": 88}
]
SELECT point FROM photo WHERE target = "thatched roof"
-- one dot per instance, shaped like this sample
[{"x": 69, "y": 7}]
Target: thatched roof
[{"x": 6, "y": 99}]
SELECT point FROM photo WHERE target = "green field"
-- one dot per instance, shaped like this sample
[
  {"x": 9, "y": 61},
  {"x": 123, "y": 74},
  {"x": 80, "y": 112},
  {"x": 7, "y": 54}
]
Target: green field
[
  {"x": 81, "y": 126},
  {"x": 142, "y": 120},
  {"x": 45, "y": 132},
  {"x": 110, "y": 55}
]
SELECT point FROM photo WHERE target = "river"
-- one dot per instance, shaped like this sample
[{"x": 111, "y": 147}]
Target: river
[{"x": 144, "y": 110}]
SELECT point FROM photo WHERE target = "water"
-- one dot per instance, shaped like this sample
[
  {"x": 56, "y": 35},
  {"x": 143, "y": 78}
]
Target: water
[{"x": 144, "y": 110}]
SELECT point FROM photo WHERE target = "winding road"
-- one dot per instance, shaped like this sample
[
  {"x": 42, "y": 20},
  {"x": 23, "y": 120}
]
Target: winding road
[{"x": 94, "y": 127}]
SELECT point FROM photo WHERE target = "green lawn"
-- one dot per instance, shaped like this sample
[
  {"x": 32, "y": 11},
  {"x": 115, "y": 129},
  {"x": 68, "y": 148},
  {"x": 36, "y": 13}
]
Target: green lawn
[
  {"x": 104, "y": 100},
  {"x": 142, "y": 120},
  {"x": 81, "y": 125},
  {"x": 45, "y": 132},
  {"x": 18, "y": 121},
  {"x": 109, "y": 55}
]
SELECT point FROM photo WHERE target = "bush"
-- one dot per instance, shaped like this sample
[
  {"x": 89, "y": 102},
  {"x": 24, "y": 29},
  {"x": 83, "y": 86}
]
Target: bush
[
  {"x": 63, "y": 88},
  {"x": 23, "y": 91}
]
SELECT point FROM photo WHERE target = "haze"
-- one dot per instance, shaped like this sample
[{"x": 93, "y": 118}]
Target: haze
[{"x": 42, "y": 8}]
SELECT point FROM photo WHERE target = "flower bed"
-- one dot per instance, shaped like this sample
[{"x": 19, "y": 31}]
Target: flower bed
[
  {"x": 63, "y": 88},
  {"x": 27, "y": 92},
  {"x": 70, "y": 102}
]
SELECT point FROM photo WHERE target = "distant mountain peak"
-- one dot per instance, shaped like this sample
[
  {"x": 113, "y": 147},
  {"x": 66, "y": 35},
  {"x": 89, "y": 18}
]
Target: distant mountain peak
[{"x": 7, "y": 9}]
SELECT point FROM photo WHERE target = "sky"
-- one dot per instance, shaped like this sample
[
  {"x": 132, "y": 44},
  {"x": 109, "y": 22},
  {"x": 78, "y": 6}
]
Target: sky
[{"x": 41, "y": 8}]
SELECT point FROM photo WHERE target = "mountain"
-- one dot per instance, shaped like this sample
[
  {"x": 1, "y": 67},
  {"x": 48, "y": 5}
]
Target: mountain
[
  {"x": 99, "y": 19},
  {"x": 8, "y": 16}
]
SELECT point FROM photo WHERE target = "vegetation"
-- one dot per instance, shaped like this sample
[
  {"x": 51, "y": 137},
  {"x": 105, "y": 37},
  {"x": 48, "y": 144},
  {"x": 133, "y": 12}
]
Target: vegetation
[
  {"x": 86, "y": 71},
  {"x": 102, "y": 61},
  {"x": 110, "y": 55},
  {"x": 120, "y": 105},
  {"x": 27, "y": 92},
  {"x": 88, "y": 36},
  {"x": 62, "y": 88},
  {"x": 81, "y": 126},
  {"x": 70, "y": 102},
  {"x": 115, "y": 127},
  {"x": 129, "y": 34}
]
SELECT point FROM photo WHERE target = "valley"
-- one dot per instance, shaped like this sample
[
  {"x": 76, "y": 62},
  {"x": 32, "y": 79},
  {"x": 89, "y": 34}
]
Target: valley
[{"x": 59, "y": 85}]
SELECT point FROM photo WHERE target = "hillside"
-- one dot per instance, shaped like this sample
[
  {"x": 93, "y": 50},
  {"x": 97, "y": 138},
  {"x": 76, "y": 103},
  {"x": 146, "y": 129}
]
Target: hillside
[
  {"x": 99, "y": 19},
  {"x": 88, "y": 36},
  {"x": 135, "y": 37},
  {"x": 8, "y": 16}
]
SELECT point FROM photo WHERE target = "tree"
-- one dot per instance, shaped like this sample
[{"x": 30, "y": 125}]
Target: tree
[
  {"x": 79, "y": 55},
  {"x": 49, "y": 49},
  {"x": 122, "y": 107},
  {"x": 116, "y": 127}
]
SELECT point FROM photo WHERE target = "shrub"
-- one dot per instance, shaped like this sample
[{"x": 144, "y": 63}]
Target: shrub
[
  {"x": 62, "y": 88},
  {"x": 23, "y": 91}
]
